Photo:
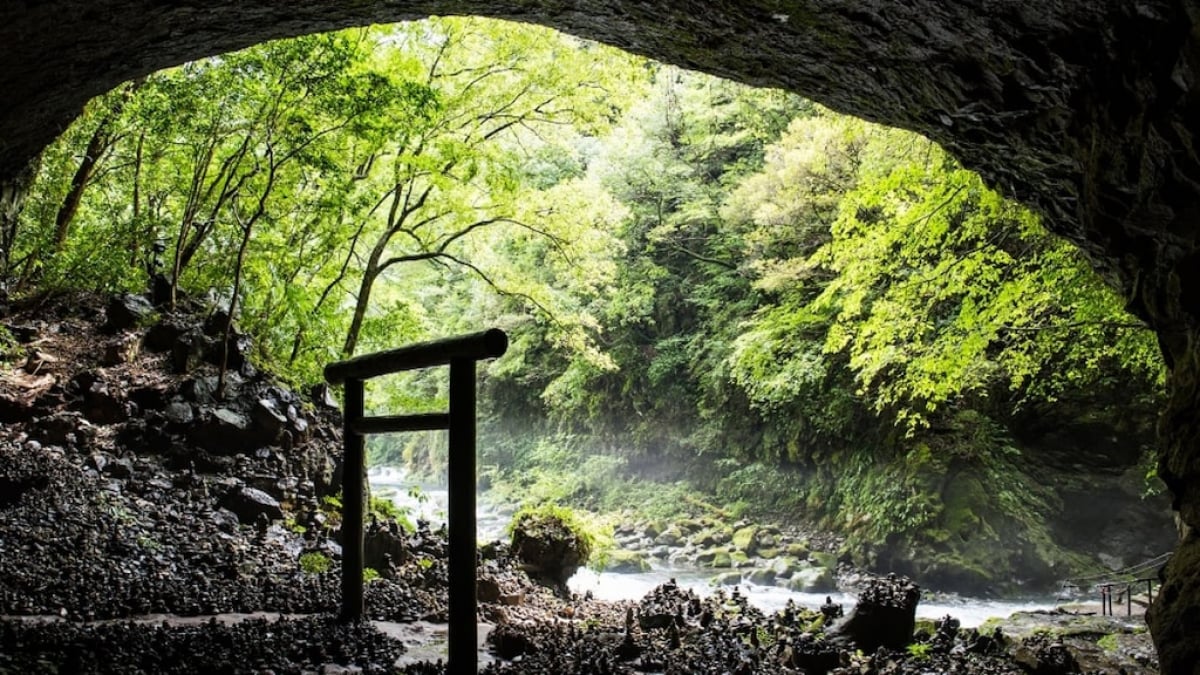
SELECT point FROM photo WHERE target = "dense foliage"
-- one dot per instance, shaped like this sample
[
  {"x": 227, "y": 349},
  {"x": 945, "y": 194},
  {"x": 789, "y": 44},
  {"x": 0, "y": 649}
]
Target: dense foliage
[{"x": 798, "y": 312}]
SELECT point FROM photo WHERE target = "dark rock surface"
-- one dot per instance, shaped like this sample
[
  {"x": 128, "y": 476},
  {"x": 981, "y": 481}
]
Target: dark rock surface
[{"x": 1086, "y": 109}]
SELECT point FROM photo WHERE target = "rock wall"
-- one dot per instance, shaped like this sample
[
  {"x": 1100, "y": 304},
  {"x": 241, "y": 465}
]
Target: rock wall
[{"x": 1086, "y": 109}]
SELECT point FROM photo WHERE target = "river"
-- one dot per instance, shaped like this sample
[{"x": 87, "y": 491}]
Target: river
[{"x": 429, "y": 503}]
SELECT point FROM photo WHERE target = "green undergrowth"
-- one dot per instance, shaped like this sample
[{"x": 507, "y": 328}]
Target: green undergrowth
[
  {"x": 380, "y": 508},
  {"x": 960, "y": 509}
]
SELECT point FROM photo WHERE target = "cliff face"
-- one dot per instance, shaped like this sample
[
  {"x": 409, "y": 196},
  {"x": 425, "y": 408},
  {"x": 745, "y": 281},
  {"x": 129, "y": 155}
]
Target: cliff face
[{"x": 1086, "y": 109}]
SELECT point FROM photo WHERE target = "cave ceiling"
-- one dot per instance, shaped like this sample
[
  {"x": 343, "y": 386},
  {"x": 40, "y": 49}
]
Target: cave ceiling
[{"x": 1085, "y": 109}]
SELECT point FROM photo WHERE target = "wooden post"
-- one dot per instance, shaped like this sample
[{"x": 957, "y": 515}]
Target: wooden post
[
  {"x": 463, "y": 639},
  {"x": 460, "y": 353},
  {"x": 353, "y": 511},
  {"x": 1128, "y": 599}
]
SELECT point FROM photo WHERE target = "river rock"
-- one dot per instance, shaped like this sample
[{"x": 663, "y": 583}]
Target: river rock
[
  {"x": 784, "y": 567},
  {"x": 812, "y": 580},
  {"x": 716, "y": 557},
  {"x": 884, "y": 616},
  {"x": 744, "y": 539},
  {"x": 768, "y": 553},
  {"x": 671, "y": 537},
  {"x": 626, "y": 562},
  {"x": 548, "y": 548},
  {"x": 823, "y": 559},
  {"x": 727, "y": 579},
  {"x": 798, "y": 550},
  {"x": 762, "y": 577}
]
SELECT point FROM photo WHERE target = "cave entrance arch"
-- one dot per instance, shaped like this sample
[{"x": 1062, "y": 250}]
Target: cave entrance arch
[{"x": 1088, "y": 111}]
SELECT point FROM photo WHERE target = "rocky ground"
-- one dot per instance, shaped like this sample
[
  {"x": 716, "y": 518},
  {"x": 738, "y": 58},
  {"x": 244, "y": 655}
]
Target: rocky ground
[{"x": 133, "y": 483}]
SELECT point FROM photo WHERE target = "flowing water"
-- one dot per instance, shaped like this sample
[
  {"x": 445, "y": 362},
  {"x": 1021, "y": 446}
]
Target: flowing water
[{"x": 429, "y": 503}]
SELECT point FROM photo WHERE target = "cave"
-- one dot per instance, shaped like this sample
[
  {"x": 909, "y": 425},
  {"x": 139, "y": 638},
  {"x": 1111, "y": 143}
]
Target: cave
[{"x": 1086, "y": 110}]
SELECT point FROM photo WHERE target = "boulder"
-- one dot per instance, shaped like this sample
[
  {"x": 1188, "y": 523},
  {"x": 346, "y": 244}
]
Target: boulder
[
  {"x": 223, "y": 431},
  {"x": 768, "y": 553},
  {"x": 322, "y": 397},
  {"x": 812, "y": 580},
  {"x": 179, "y": 413},
  {"x": 671, "y": 537},
  {"x": 744, "y": 539},
  {"x": 127, "y": 311},
  {"x": 549, "y": 548},
  {"x": 162, "y": 336},
  {"x": 823, "y": 559},
  {"x": 762, "y": 577},
  {"x": 487, "y": 589},
  {"x": 123, "y": 349},
  {"x": 784, "y": 567},
  {"x": 727, "y": 579},
  {"x": 101, "y": 406},
  {"x": 626, "y": 562},
  {"x": 885, "y": 616},
  {"x": 250, "y": 504},
  {"x": 268, "y": 420},
  {"x": 199, "y": 389},
  {"x": 714, "y": 557},
  {"x": 798, "y": 550}
]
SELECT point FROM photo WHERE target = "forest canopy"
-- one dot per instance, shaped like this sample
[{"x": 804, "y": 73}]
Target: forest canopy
[{"x": 792, "y": 306}]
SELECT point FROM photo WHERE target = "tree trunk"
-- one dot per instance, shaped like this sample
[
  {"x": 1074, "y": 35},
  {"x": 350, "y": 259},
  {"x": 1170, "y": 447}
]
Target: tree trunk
[
  {"x": 237, "y": 288},
  {"x": 360, "y": 307},
  {"x": 97, "y": 146},
  {"x": 12, "y": 199}
]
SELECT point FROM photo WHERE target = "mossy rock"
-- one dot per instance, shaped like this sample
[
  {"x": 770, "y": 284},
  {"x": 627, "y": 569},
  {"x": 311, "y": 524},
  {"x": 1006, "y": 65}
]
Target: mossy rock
[
  {"x": 823, "y": 559},
  {"x": 550, "y": 542},
  {"x": 714, "y": 557},
  {"x": 704, "y": 539},
  {"x": 762, "y": 577},
  {"x": 785, "y": 567},
  {"x": 739, "y": 559},
  {"x": 768, "y": 553},
  {"x": 799, "y": 550},
  {"x": 727, "y": 579},
  {"x": 691, "y": 526},
  {"x": 812, "y": 580},
  {"x": 744, "y": 539},
  {"x": 626, "y": 562},
  {"x": 672, "y": 536},
  {"x": 653, "y": 529}
]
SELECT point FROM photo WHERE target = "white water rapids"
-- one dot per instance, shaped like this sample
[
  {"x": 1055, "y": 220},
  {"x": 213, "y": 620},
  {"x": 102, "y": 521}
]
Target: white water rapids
[{"x": 429, "y": 503}]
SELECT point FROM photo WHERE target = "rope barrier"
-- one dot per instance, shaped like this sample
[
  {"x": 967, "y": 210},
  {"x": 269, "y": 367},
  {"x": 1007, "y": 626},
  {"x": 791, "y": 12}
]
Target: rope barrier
[{"x": 1109, "y": 584}]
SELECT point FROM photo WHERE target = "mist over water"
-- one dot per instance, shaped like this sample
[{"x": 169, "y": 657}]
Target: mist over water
[{"x": 430, "y": 502}]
